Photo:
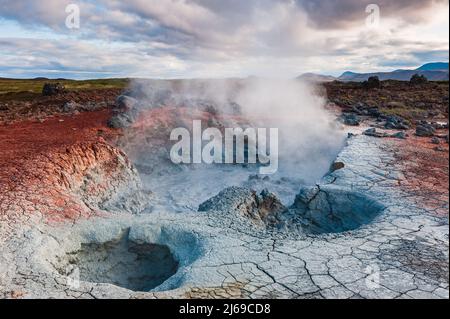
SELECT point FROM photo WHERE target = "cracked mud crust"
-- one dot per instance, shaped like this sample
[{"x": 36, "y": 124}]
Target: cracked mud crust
[{"x": 401, "y": 253}]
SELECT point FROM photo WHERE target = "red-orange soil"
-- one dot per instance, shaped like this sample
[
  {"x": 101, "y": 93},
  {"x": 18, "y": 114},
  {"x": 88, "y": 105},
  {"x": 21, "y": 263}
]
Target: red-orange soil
[{"x": 40, "y": 162}]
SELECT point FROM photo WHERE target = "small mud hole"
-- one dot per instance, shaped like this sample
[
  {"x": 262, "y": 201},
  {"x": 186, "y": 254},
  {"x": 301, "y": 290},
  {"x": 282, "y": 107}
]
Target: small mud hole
[
  {"x": 124, "y": 263},
  {"x": 330, "y": 209}
]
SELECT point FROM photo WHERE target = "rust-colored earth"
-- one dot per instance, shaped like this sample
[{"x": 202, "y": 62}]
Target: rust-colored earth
[
  {"x": 426, "y": 169},
  {"x": 38, "y": 157}
]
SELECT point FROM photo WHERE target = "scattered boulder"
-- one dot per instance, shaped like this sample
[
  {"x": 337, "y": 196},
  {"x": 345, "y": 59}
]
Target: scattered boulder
[
  {"x": 125, "y": 103},
  {"x": 336, "y": 166},
  {"x": 425, "y": 130},
  {"x": 373, "y": 132},
  {"x": 125, "y": 112},
  {"x": 396, "y": 122},
  {"x": 373, "y": 111},
  {"x": 350, "y": 119},
  {"x": 400, "y": 135},
  {"x": 435, "y": 140},
  {"x": 50, "y": 89}
]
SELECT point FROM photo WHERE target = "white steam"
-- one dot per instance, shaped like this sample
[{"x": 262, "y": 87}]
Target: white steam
[{"x": 309, "y": 138}]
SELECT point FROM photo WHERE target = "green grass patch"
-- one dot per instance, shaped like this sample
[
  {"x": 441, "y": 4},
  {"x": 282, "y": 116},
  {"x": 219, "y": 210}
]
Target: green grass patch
[
  {"x": 36, "y": 85},
  {"x": 407, "y": 113}
]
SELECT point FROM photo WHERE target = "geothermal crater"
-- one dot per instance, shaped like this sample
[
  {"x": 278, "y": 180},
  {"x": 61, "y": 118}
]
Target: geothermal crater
[
  {"x": 123, "y": 262},
  {"x": 136, "y": 257},
  {"x": 330, "y": 209}
]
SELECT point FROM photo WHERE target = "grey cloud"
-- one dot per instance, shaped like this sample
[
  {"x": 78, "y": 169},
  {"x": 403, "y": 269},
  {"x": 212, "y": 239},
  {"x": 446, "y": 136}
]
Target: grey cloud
[
  {"x": 176, "y": 36},
  {"x": 344, "y": 13}
]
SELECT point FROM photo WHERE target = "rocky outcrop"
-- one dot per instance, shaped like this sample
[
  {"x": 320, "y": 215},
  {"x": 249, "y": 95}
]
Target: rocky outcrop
[
  {"x": 50, "y": 89},
  {"x": 350, "y": 119},
  {"x": 263, "y": 209},
  {"x": 374, "y": 133},
  {"x": 425, "y": 130},
  {"x": 396, "y": 122}
]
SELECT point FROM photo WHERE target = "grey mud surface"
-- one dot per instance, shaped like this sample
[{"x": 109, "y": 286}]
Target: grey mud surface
[{"x": 399, "y": 252}]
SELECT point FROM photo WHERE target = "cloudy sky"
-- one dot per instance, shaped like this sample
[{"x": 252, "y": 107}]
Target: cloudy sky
[{"x": 218, "y": 38}]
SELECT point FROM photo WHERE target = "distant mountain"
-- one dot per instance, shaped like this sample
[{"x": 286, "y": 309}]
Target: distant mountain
[
  {"x": 435, "y": 66},
  {"x": 314, "y": 77},
  {"x": 433, "y": 71}
]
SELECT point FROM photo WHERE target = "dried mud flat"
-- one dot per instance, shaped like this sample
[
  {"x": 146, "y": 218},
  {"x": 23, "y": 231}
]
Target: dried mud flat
[{"x": 72, "y": 206}]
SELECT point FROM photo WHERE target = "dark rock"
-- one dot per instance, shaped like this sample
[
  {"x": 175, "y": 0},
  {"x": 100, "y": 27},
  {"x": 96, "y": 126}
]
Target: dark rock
[
  {"x": 435, "y": 140},
  {"x": 120, "y": 121},
  {"x": 395, "y": 122},
  {"x": 373, "y": 132},
  {"x": 374, "y": 111},
  {"x": 350, "y": 119},
  {"x": 400, "y": 135},
  {"x": 125, "y": 103},
  {"x": 53, "y": 89},
  {"x": 372, "y": 82},
  {"x": 336, "y": 165},
  {"x": 425, "y": 130}
]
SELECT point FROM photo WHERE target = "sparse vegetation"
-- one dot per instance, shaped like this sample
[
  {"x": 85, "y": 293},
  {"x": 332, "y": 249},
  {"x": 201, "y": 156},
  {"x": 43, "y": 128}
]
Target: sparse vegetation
[
  {"x": 422, "y": 101},
  {"x": 36, "y": 85},
  {"x": 29, "y": 89}
]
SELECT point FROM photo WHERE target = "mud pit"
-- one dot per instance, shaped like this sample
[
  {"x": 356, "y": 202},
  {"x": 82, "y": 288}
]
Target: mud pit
[
  {"x": 329, "y": 209},
  {"x": 124, "y": 263}
]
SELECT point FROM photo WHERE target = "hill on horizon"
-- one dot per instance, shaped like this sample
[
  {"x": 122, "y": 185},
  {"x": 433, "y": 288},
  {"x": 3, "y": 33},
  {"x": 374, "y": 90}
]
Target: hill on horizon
[{"x": 435, "y": 71}]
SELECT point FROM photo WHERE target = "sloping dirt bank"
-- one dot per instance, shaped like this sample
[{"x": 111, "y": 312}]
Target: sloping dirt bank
[{"x": 63, "y": 168}]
